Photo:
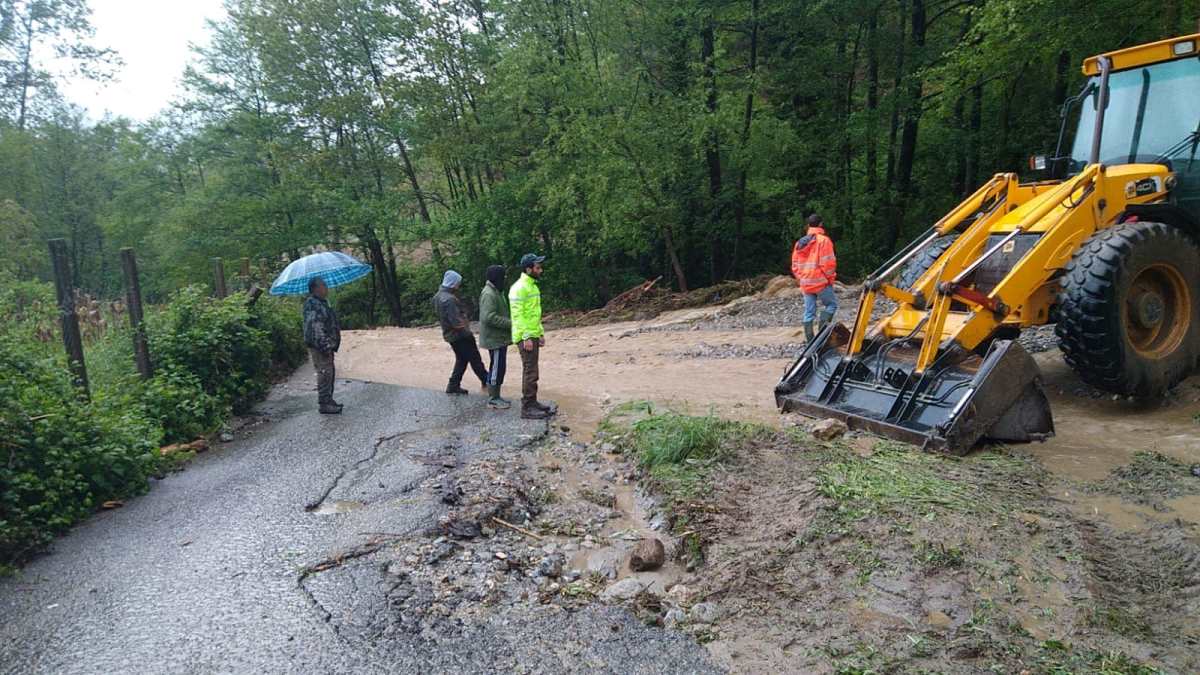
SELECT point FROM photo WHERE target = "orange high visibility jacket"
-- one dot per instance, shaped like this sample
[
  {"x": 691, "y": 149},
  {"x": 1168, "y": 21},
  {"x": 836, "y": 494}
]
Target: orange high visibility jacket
[{"x": 813, "y": 263}]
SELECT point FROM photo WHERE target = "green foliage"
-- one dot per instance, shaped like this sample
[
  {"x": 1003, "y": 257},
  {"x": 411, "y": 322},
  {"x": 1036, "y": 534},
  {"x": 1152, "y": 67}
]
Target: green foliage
[
  {"x": 62, "y": 456},
  {"x": 217, "y": 342},
  {"x": 176, "y": 400},
  {"x": 674, "y": 439},
  {"x": 895, "y": 479}
]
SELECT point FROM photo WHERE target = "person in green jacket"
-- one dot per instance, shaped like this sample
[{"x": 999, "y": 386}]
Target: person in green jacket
[
  {"x": 525, "y": 302},
  {"x": 495, "y": 333}
]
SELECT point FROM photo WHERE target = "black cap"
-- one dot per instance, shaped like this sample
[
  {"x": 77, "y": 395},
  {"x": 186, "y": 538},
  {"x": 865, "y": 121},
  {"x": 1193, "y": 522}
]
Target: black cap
[{"x": 530, "y": 259}]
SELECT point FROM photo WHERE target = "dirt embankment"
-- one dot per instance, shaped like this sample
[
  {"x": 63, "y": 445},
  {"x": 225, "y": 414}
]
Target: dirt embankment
[{"x": 1079, "y": 554}]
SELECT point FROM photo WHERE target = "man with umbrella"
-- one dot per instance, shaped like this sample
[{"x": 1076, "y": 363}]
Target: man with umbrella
[
  {"x": 316, "y": 274},
  {"x": 323, "y": 337}
]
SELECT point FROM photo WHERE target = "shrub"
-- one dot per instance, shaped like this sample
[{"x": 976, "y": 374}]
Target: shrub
[
  {"x": 282, "y": 320},
  {"x": 178, "y": 403},
  {"x": 216, "y": 341},
  {"x": 61, "y": 455}
]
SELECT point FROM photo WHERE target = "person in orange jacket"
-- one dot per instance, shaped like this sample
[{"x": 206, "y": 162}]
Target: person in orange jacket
[{"x": 814, "y": 266}]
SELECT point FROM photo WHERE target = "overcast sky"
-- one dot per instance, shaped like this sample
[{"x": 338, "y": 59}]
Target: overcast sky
[{"x": 152, "y": 36}]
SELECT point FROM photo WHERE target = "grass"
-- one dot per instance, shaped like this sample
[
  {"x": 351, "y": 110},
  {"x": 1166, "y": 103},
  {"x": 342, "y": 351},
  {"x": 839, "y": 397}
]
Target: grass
[
  {"x": 671, "y": 438},
  {"x": 896, "y": 479},
  {"x": 940, "y": 556},
  {"x": 1150, "y": 478}
]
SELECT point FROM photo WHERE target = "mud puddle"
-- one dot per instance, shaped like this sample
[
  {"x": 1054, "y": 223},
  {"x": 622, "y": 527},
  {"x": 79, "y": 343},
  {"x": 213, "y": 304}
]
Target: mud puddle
[{"x": 604, "y": 481}]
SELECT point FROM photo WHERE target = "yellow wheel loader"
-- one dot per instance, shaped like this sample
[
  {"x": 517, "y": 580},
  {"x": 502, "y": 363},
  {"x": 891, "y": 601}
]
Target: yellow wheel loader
[{"x": 1109, "y": 252}]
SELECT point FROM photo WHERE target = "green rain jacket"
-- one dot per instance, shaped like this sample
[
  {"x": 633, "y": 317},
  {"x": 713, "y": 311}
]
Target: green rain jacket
[
  {"x": 525, "y": 303},
  {"x": 495, "y": 327}
]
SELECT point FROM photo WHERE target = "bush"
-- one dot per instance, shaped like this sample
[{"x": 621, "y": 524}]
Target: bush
[
  {"x": 178, "y": 403},
  {"x": 222, "y": 343},
  {"x": 62, "y": 456}
]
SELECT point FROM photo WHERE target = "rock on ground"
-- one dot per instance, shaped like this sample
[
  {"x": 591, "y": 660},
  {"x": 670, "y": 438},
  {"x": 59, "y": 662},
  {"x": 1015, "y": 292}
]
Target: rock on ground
[
  {"x": 648, "y": 555},
  {"x": 828, "y": 429}
]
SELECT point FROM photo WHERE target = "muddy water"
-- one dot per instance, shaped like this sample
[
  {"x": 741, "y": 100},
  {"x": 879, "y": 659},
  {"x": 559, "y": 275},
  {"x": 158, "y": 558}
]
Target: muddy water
[
  {"x": 619, "y": 535},
  {"x": 588, "y": 370}
]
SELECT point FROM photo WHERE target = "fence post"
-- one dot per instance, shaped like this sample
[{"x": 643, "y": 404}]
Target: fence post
[
  {"x": 65, "y": 290},
  {"x": 219, "y": 278},
  {"x": 133, "y": 302}
]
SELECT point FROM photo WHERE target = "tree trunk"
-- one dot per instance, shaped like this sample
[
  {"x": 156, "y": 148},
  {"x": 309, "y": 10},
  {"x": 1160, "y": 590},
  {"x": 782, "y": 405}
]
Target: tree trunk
[
  {"x": 712, "y": 151},
  {"x": 26, "y": 75},
  {"x": 391, "y": 294},
  {"x": 898, "y": 80},
  {"x": 872, "y": 103},
  {"x": 908, "y": 136},
  {"x": 973, "y": 139},
  {"x": 747, "y": 120}
]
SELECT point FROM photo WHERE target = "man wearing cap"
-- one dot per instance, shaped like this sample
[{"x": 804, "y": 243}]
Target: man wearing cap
[
  {"x": 525, "y": 303},
  {"x": 456, "y": 330}
]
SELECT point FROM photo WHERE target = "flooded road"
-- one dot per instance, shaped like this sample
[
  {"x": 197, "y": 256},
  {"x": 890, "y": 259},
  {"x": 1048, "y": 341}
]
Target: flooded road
[{"x": 589, "y": 370}]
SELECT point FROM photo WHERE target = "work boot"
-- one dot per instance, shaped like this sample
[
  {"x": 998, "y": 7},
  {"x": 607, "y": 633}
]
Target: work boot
[
  {"x": 330, "y": 409},
  {"x": 808, "y": 331},
  {"x": 494, "y": 400},
  {"x": 823, "y": 320},
  {"x": 455, "y": 388},
  {"x": 547, "y": 408},
  {"x": 532, "y": 412}
]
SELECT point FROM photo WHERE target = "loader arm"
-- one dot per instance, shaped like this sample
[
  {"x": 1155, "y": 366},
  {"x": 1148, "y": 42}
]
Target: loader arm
[{"x": 943, "y": 369}]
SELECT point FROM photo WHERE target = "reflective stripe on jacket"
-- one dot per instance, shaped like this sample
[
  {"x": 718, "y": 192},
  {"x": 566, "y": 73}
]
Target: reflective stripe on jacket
[
  {"x": 525, "y": 304},
  {"x": 813, "y": 262}
]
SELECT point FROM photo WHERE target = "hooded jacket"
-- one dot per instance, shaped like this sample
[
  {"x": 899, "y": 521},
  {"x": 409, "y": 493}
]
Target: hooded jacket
[
  {"x": 495, "y": 326},
  {"x": 451, "y": 315},
  {"x": 814, "y": 264}
]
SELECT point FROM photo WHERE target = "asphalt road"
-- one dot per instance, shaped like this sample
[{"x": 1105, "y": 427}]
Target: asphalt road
[{"x": 207, "y": 572}]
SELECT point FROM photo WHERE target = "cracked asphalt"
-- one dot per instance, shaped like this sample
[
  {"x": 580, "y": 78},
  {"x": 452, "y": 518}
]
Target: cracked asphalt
[{"x": 264, "y": 553}]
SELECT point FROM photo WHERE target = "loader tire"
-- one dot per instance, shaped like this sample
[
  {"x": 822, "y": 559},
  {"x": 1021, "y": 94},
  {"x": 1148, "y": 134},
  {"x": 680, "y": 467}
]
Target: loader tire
[
  {"x": 1129, "y": 309},
  {"x": 924, "y": 260}
]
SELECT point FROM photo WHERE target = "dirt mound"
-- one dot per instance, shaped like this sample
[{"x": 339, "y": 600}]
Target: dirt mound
[
  {"x": 648, "y": 300},
  {"x": 862, "y": 556}
]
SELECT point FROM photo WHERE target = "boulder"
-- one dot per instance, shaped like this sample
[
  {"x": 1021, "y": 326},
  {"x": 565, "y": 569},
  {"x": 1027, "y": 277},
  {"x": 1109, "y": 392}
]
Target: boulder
[
  {"x": 625, "y": 589},
  {"x": 648, "y": 555},
  {"x": 828, "y": 429}
]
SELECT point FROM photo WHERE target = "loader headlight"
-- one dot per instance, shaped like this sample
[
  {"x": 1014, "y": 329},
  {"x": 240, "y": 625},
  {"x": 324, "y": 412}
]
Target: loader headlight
[
  {"x": 1183, "y": 47},
  {"x": 1037, "y": 163}
]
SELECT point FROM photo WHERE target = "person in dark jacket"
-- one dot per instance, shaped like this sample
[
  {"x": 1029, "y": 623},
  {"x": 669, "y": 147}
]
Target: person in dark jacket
[
  {"x": 495, "y": 333},
  {"x": 456, "y": 330},
  {"x": 323, "y": 336}
]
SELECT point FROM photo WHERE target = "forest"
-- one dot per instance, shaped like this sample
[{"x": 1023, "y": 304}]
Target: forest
[{"x": 625, "y": 139}]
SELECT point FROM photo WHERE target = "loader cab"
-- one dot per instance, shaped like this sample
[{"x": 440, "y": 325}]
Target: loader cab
[{"x": 1152, "y": 116}]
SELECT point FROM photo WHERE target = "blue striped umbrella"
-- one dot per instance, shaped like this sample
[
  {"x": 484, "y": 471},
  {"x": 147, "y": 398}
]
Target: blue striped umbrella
[{"x": 334, "y": 268}]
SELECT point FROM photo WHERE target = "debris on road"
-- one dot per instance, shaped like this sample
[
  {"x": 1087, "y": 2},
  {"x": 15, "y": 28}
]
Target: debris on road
[
  {"x": 648, "y": 555},
  {"x": 827, "y": 429}
]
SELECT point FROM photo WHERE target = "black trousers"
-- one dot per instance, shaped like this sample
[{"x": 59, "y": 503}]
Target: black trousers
[
  {"x": 467, "y": 351},
  {"x": 498, "y": 366}
]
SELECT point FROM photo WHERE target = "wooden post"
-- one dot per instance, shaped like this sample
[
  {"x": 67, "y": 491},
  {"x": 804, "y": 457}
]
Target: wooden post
[
  {"x": 133, "y": 302},
  {"x": 66, "y": 311},
  {"x": 219, "y": 278},
  {"x": 244, "y": 273}
]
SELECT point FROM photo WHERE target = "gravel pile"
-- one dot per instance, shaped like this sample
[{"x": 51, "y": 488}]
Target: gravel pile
[{"x": 735, "y": 351}]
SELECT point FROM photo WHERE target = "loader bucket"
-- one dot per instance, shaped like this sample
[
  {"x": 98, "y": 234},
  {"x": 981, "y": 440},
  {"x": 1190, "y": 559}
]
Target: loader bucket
[{"x": 960, "y": 399}]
